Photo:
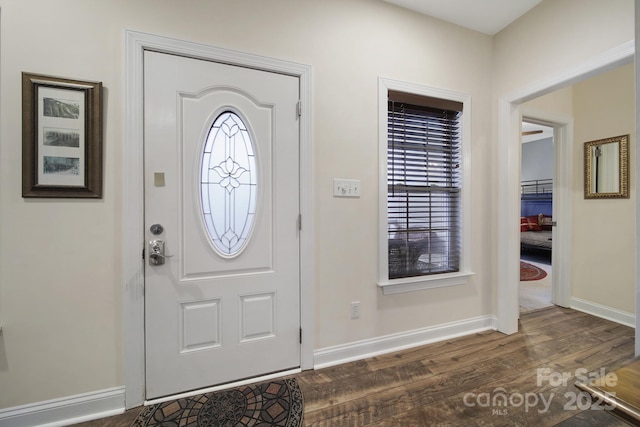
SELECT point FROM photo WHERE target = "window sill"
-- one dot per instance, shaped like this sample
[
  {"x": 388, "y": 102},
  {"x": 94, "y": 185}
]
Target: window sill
[{"x": 410, "y": 284}]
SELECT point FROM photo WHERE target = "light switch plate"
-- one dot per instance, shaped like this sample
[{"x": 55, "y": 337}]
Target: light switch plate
[{"x": 346, "y": 187}]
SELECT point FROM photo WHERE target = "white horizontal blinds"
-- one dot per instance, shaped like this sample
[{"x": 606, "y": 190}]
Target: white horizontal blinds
[{"x": 423, "y": 196}]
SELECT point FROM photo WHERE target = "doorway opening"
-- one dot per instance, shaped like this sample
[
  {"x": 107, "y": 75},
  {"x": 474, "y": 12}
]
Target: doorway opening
[
  {"x": 536, "y": 216},
  {"x": 509, "y": 123}
]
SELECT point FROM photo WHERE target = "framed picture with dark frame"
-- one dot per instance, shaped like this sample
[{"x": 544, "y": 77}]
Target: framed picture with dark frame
[{"x": 61, "y": 137}]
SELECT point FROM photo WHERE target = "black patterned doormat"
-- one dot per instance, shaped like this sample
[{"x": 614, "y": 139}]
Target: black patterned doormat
[{"x": 271, "y": 403}]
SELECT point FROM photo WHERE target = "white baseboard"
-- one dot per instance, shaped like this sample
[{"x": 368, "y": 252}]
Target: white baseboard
[
  {"x": 603, "y": 311},
  {"x": 357, "y": 350},
  {"x": 66, "y": 410}
]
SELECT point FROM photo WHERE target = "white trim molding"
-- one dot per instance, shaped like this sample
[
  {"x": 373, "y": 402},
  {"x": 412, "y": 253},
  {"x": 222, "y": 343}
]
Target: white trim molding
[
  {"x": 637, "y": 175},
  {"x": 419, "y": 283},
  {"x": 136, "y": 43},
  {"x": 357, "y": 350},
  {"x": 562, "y": 199},
  {"x": 67, "y": 410},
  {"x": 604, "y": 312}
]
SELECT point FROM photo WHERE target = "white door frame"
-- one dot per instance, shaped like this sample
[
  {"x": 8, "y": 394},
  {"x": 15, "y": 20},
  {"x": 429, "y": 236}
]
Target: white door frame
[
  {"x": 509, "y": 149},
  {"x": 562, "y": 200},
  {"x": 133, "y": 210}
]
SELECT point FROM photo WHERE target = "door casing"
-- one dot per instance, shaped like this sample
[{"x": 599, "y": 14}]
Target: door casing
[
  {"x": 562, "y": 206},
  {"x": 133, "y": 212}
]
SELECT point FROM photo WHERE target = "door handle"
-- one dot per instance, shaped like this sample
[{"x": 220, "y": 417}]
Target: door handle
[{"x": 156, "y": 252}]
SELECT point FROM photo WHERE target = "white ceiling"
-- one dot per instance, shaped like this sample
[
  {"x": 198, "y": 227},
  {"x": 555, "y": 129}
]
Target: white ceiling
[{"x": 486, "y": 16}]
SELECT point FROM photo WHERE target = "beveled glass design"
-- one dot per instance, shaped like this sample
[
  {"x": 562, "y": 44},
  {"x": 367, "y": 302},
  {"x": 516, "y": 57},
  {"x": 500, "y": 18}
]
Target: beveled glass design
[{"x": 228, "y": 187}]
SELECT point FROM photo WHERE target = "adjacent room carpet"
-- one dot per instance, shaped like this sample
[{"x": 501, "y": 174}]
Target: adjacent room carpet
[
  {"x": 535, "y": 292},
  {"x": 272, "y": 403},
  {"x": 531, "y": 272}
]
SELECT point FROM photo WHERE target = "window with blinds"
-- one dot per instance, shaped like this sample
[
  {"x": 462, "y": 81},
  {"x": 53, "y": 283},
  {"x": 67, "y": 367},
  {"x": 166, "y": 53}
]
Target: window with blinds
[{"x": 424, "y": 185}]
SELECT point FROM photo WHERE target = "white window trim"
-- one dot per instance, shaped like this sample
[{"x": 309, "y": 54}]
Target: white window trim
[{"x": 409, "y": 284}]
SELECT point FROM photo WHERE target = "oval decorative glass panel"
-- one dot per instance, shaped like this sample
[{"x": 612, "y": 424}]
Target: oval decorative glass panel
[{"x": 228, "y": 186}]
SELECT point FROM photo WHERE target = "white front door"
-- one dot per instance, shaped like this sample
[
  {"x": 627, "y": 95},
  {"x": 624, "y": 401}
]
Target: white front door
[{"x": 221, "y": 146}]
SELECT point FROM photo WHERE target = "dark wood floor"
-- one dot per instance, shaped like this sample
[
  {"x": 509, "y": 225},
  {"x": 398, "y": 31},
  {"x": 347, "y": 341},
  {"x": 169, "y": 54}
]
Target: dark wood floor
[{"x": 459, "y": 382}]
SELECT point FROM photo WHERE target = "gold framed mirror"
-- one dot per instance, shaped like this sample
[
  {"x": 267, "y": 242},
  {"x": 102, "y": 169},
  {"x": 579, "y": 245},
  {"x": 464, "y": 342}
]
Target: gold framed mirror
[{"x": 606, "y": 168}]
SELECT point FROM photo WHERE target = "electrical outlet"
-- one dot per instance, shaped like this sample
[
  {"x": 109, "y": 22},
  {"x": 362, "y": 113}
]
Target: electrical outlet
[{"x": 355, "y": 310}]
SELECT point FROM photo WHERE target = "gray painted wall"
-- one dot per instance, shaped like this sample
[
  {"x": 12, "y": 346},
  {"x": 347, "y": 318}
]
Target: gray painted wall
[{"x": 537, "y": 159}]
